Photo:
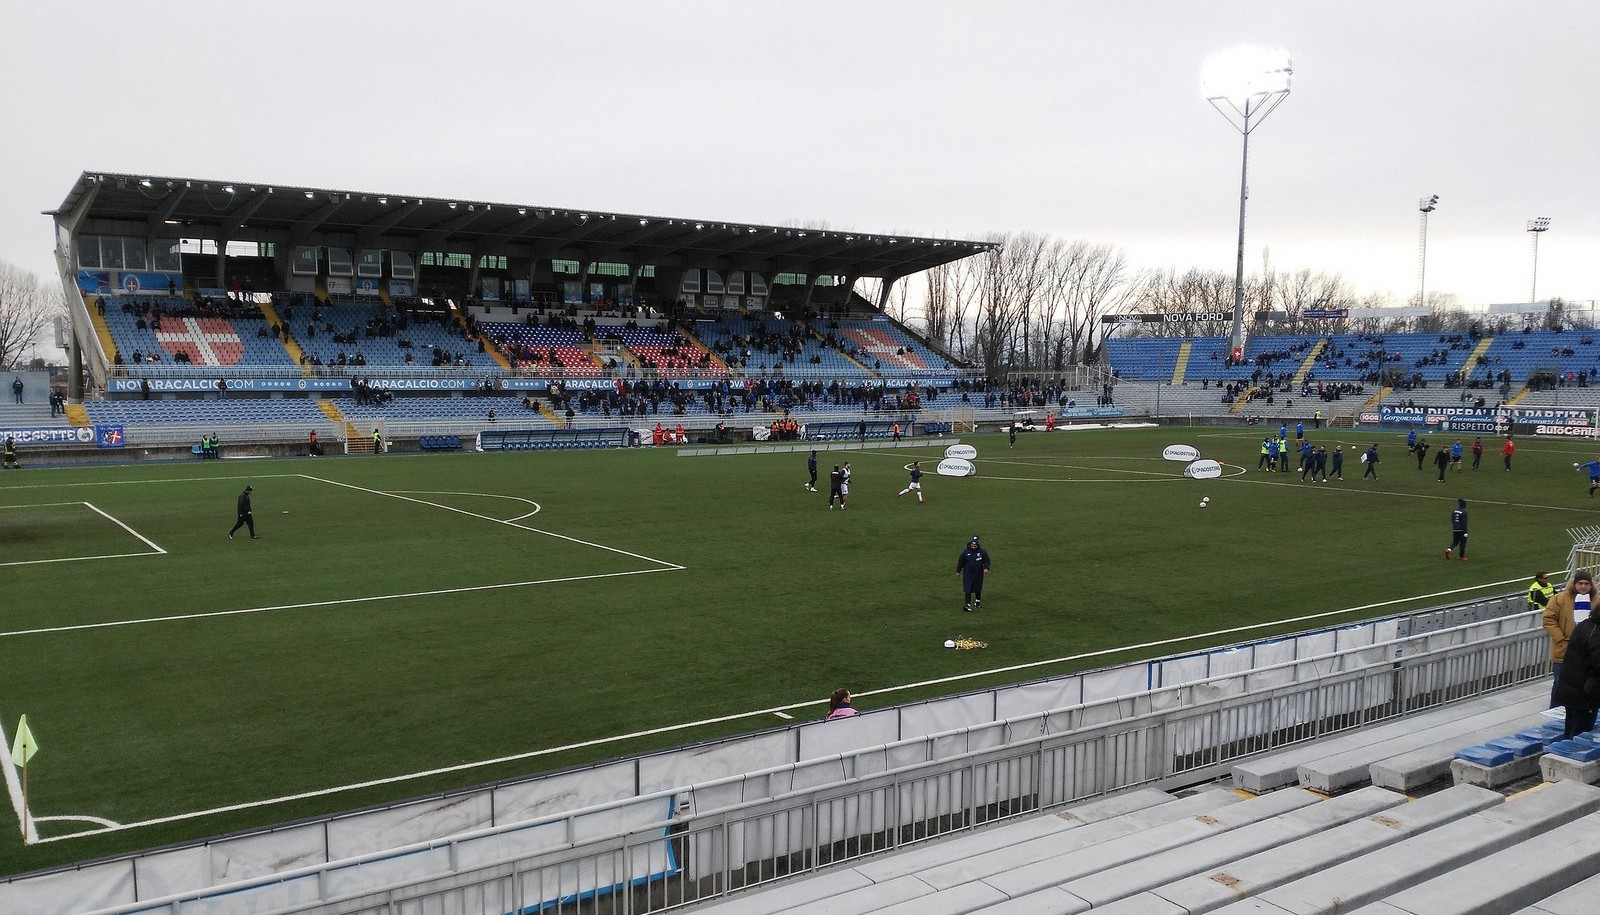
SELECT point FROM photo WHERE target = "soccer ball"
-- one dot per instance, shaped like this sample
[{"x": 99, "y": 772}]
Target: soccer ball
[
  {"x": 949, "y": 643},
  {"x": 1203, "y": 504}
]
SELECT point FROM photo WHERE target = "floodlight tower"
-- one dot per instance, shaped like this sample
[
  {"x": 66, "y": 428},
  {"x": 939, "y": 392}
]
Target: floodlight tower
[
  {"x": 1537, "y": 226},
  {"x": 1426, "y": 205},
  {"x": 1245, "y": 85}
]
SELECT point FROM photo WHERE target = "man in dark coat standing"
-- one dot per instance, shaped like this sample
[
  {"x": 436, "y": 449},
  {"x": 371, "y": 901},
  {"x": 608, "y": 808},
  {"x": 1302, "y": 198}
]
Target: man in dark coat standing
[
  {"x": 1579, "y": 686},
  {"x": 972, "y": 565},
  {"x": 246, "y": 519}
]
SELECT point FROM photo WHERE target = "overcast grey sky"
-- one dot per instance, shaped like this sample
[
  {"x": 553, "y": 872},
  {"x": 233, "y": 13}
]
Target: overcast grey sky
[{"x": 1083, "y": 120}]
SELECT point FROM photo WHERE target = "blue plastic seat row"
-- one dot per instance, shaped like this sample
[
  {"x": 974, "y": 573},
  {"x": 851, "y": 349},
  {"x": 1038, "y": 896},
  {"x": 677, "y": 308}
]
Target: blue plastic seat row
[{"x": 439, "y": 443}]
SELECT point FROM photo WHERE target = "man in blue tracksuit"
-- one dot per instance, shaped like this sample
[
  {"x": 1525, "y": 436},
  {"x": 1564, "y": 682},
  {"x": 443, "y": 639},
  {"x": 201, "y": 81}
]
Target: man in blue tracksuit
[
  {"x": 972, "y": 565},
  {"x": 1594, "y": 474},
  {"x": 1458, "y": 530}
]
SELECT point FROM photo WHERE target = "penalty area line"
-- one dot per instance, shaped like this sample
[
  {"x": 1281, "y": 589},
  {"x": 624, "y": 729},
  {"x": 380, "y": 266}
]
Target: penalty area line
[
  {"x": 780, "y": 711},
  {"x": 335, "y": 602},
  {"x": 521, "y": 527}
]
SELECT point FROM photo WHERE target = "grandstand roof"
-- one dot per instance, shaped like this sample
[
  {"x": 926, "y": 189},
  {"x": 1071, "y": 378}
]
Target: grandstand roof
[{"x": 254, "y": 211}]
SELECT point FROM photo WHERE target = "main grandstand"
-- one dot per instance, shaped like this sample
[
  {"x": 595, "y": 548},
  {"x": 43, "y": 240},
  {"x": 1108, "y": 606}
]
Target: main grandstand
[{"x": 247, "y": 306}]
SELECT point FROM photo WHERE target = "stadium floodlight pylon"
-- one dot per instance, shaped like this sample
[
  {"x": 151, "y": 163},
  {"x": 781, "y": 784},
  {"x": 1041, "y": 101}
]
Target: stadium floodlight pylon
[{"x": 1245, "y": 84}]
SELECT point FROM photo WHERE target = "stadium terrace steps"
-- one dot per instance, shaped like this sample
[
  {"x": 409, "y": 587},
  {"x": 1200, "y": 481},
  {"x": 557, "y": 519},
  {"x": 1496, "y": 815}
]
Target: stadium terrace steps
[
  {"x": 77, "y": 415},
  {"x": 1061, "y": 868},
  {"x": 1578, "y": 899},
  {"x": 1203, "y": 891},
  {"x": 893, "y": 879},
  {"x": 1279, "y": 769},
  {"x": 1130, "y": 878},
  {"x": 1508, "y": 878},
  {"x": 1338, "y": 771},
  {"x": 1411, "y": 770},
  {"x": 1462, "y": 851},
  {"x": 1449, "y": 849}
]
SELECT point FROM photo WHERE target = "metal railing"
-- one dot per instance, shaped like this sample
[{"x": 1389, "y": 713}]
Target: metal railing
[{"x": 699, "y": 849}]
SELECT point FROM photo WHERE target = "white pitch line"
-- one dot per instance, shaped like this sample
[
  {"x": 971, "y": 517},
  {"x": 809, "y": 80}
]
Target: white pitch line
[
  {"x": 34, "y": 562},
  {"x": 244, "y": 611},
  {"x": 461, "y": 511},
  {"x": 109, "y": 824},
  {"x": 247, "y": 476},
  {"x": 776, "y": 710},
  {"x": 147, "y": 541}
]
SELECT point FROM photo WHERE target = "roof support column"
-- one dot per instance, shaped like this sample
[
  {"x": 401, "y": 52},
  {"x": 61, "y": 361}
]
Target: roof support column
[
  {"x": 849, "y": 288},
  {"x": 889, "y": 279}
]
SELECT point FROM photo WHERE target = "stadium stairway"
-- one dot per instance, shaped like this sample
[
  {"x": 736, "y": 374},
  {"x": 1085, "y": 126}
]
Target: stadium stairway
[
  {"x": 1374, "y": 400},
  {"x": 1476, "y": 356},
  {"x": 102, "y": 331},
  {"x": 296, "y": 354},
  {"x": 1520, "y": 396},
  {"x": 715, "y": 359},
  {"x": 77, "y": 415},
  {"x": 549, "y": 413},
  {"x": 1181, "y": 365},
  {"x": 1243, "y": 400},
  {"x": 1310, "y": 362},
  {"x": 494, "y": 352}
]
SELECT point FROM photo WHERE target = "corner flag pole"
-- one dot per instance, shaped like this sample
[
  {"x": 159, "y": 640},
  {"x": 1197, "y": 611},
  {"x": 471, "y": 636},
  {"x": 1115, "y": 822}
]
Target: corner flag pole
[{"x": 23, "y": 749}]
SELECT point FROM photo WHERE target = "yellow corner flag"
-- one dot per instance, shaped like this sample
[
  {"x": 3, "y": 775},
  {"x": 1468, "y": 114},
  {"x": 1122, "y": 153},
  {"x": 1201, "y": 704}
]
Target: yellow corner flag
[{"x": 23, "y": 747}]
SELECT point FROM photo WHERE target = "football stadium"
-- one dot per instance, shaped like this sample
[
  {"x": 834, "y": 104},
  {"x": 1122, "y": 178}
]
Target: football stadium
[{"x": 396, "y": 554}]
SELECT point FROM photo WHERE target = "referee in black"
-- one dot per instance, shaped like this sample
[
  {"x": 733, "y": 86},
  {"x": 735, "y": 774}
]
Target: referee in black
[{"x": 246, "y": 519}]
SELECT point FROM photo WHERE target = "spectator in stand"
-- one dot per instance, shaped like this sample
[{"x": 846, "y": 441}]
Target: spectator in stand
[
  {"x": 1559, "y": 615},
  {"x": 1579, "y": 686},
  {"x": 839, "y": 705}
]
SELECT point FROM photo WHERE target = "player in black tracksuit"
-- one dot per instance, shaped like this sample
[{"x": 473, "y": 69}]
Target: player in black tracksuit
[
  {"x": 1458, "y": 530},
  {"x": 246, "y": 519},
  {"x": 835, "y": 487},
  {"x": 811, "y": 465}
]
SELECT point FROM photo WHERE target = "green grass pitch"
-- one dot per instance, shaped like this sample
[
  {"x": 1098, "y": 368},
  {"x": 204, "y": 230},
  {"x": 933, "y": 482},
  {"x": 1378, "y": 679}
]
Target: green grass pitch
[{"x": 409, "y": 614}]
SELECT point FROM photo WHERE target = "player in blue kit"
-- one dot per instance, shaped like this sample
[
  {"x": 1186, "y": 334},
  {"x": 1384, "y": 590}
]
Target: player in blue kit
[
  {"x": 1594, "y": 474},
  {"x": 916, "y": 483}
]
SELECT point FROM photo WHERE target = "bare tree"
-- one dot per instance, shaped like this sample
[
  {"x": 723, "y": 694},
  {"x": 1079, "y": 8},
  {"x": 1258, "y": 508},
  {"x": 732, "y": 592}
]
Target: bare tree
[
  {"x": 1099, "y": 283},
  {"x": 28, "y": 305},
  {"x": 1011, "y": 279},
  {"x": 949, "y": 298}
]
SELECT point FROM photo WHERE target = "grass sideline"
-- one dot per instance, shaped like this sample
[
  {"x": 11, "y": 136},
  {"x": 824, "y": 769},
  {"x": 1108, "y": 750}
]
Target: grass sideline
[{"x": 406, "y": 614}]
